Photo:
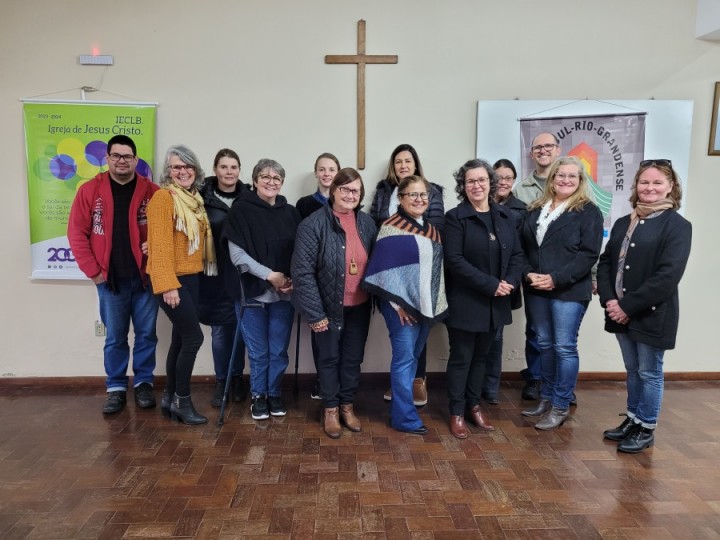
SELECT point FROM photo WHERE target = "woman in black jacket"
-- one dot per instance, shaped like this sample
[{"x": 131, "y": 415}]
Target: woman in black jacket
[
  {"x": 638, "y": 279},
  {"x": 331, "y": 253},
  {"x": 404, "y": 162},
  {"x": 562, "y": 236},
  {"x": 483, "y": 262},
  {"x": 215, "y": 307}
]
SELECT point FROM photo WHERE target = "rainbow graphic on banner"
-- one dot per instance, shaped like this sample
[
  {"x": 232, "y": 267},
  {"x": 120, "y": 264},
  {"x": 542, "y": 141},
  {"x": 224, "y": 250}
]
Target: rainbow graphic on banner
[{"x": 589, "y": 158}]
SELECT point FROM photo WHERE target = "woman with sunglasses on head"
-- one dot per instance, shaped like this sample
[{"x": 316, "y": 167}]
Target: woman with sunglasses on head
[
  {"x": 216, "y": 308},
  {"x": 484, "y": 259},
  {"x": 405, "y": 272},
  {"x": 180, "y": 247},
  {"x": 638, "y": 277},
  {"x": 506, "y": 175},
  {"x": 260, "y": 230},
  {"x": 331, "y": 253},
  {"x": 562, "y": 235},
  {"x": 404, "y": 162}
]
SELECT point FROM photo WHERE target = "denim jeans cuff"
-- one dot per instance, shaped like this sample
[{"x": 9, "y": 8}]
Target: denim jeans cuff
[{"x": 117, "y": 388}]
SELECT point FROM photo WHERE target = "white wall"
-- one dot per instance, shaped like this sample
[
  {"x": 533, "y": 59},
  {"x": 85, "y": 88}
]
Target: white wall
[{"x": 250, "y": 75}]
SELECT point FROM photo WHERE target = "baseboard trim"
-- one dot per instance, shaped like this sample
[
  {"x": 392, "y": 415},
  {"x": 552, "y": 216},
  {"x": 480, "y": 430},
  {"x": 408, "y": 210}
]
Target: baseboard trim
[{"x": 308, "y": 379}]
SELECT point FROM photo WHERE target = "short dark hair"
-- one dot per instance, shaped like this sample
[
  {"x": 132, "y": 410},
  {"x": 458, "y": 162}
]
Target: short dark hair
[
  {"x": 459, "y": 176},
  {"x": 124, "y": 140},
  {"x": 226, "y": 152},
  {"x": 391, "y": 164},
  {"x": 507, "y": 164},
  {"x": 343, "y": 177}
]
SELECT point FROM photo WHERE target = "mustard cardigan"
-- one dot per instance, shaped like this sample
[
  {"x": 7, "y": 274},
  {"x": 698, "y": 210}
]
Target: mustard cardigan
[{"x": 167, "y": 247}]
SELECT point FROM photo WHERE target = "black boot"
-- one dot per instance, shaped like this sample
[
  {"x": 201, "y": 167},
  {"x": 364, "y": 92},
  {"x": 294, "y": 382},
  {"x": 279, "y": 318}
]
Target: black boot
[
  {"x": 165, "y": 404},
  {"x": 182, "y": 409},
  {"x": 620, "y": 432},
  {"x": 238, "y": 390},
  {"x": 217, "y": 398},
  {"x": 637, "y": 440}
]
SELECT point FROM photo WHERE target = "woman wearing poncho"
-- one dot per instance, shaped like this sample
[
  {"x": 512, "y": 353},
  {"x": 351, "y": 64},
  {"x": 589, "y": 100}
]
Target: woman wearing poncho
[{"x": 405, "y": 272}]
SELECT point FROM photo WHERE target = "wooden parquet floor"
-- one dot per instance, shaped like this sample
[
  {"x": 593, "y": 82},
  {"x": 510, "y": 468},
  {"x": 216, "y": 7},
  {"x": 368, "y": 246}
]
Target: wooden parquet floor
[{"x": 68, "y": 472}]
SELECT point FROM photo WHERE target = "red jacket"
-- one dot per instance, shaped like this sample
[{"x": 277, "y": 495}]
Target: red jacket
[{"x": 91, "y": 221}]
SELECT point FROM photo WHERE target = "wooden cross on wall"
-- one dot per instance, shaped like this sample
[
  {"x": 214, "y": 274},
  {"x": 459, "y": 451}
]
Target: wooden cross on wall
[{"x": 361, "y": 59}]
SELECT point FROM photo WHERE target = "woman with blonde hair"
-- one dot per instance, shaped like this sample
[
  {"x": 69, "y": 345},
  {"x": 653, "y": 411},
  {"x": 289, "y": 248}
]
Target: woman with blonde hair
[
  {"x": 180, "y": 247},
  {"x": 562, "y": 236}
]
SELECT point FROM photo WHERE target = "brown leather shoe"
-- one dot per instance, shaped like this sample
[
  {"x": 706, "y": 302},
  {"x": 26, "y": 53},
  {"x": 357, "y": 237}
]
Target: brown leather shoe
[
  {"x": 347, "y": 415},
  {"x": 458, "y": 427},
  {"x": 420, "y": 391},
  {"x": 331, "y": 423},
  {"x": 479, "y": 420}
]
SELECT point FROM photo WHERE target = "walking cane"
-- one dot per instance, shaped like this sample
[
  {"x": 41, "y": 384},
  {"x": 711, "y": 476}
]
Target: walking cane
[
  {"x": 238, "y": 336},
  {"x": 297, "y": 353}
]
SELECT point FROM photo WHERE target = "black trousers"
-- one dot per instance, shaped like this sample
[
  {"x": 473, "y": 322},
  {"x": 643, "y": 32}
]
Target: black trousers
[
  {"x": 340, "y": 353},
  {"x": 187, "y": 336},
  {"x": 466, "y": 368}
]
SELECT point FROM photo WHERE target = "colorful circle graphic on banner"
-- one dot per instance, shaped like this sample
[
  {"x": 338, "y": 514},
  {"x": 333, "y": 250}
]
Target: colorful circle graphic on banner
[
  {"x": 63, "y": 167},
  {"x": 95, "y": 153}
]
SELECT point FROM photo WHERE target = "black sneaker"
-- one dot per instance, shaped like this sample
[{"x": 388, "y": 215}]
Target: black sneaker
[
  {"x": 217, "y": 398},
  {"x": 315, "y": 392},
  {"x": 259, "y": 408},
  {"x": 531, "y": 392},
  {"x": 277, "y": 407},
  {"x": 115, "y": 402},
  {"x": 237, "y": 389}
]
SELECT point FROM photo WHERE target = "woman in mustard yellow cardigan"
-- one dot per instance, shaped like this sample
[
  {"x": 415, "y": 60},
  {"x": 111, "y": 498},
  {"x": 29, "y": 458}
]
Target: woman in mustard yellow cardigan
[{"x": 180, "y": 246}]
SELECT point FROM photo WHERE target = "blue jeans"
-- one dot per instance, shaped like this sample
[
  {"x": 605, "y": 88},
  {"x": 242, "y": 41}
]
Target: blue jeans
[
  {"x": 644, "y": 365},
  {"x": 407, "y": 344},
  {"x": 493, "y": 366},
  {"x": 131, "y": 302},
  {"x": 557, "y": 323},
  {"x": 266, "y": 332},
  {"x": 223, "y": 336}
]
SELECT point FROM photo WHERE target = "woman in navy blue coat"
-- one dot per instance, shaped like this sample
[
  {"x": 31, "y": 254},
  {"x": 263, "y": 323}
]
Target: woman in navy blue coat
[
  {"x": 638, "y": 278},
  {"x": 483, "y": 261},
  {"x": 562, "y": 236}
]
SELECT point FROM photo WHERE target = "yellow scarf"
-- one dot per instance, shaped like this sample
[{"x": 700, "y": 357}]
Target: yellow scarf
[{"x": 189, "y": 213}]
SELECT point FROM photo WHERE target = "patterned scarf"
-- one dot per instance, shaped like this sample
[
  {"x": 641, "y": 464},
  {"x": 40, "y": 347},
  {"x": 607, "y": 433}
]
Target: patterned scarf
[
  {"x": 546, "y": 217},
  {"x": 189, "y": 213},
  {"x": 406, "y": 267},
  {"x": 641, "y": 211}
]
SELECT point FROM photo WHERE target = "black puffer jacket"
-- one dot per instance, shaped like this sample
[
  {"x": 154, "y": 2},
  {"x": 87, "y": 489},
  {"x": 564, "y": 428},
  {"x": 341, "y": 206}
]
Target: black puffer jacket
[
  {"x": 215, "y": 306},
  {"x": 318, "y": 264},
  {"x": 435, "y": 213}
]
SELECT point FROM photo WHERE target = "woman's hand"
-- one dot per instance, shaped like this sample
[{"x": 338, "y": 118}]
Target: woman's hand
[
  {"x": 615, "y": 312},
  {"x": 541, "y": 282},
  {"x": 320, "y": 326},
  {"x": 144, "y": 248},
  {"x": 405, "y": 317},
  {"x": 172, "y": 298},
  {"x": 504, "y": 289},
  {"x": 277, "y": 280},
  {"x": 287, "y": 288}
]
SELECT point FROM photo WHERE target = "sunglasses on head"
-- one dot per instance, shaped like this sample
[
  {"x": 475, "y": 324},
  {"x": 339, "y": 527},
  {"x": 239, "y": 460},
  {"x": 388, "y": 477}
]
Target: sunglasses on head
[{"x": 656, "y": 162}]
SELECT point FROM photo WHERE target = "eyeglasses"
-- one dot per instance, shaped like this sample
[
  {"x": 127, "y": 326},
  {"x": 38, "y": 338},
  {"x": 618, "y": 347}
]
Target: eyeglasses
[
  {"x": 347, "y": 191},
  {"x": 654, "y": 162},
  {"x": 506, "y": 178},
  {"x": 121, "y": 157},
  {"x": 271, "y": 179},
  {"x": 547, "y": 147},
  {"x": 477, "y": 182},
  {"x": 415, "y": 195},
  {"x": 179, "y": 168}
]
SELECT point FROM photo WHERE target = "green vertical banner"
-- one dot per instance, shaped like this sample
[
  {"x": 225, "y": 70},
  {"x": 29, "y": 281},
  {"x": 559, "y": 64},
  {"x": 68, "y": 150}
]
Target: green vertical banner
[{"x": 66, "y": 145}]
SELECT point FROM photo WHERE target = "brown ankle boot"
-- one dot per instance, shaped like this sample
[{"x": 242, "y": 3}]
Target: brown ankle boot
[
  {"x": 331, "y": 423},
  {"x": 479, "y": 420},
  {"x": 348, "y": 417},
  {"x": 420, "y": 396}
]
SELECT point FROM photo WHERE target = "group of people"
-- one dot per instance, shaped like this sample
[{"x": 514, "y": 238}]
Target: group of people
[{"x": 217, "y": 251}]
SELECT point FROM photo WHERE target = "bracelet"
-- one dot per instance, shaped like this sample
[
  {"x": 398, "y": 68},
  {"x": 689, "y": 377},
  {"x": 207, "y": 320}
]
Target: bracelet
[{"x": 319, "y": 325}]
